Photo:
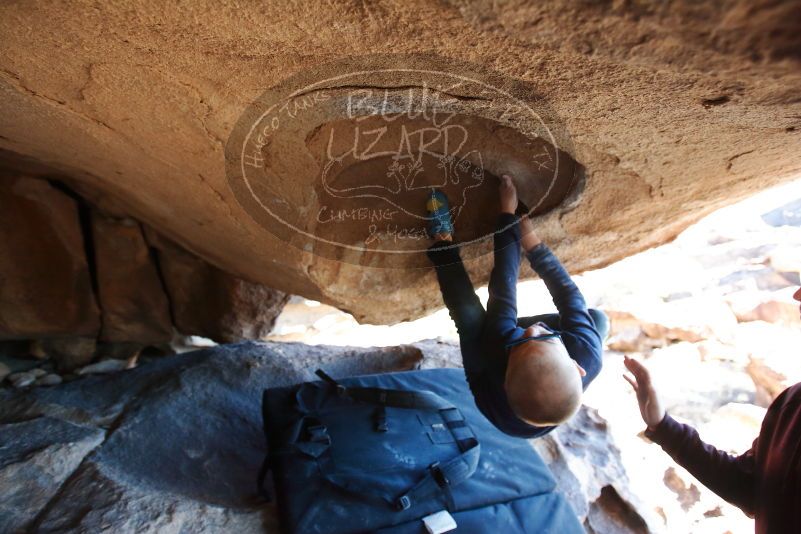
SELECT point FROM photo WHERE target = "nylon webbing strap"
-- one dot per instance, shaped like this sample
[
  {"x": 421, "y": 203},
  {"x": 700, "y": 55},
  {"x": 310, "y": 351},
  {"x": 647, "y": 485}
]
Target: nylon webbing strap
[
  {"x": 398, "y": 398},
  {"x": 441, "y": 475},
  {"x": 395, "y": 398}
]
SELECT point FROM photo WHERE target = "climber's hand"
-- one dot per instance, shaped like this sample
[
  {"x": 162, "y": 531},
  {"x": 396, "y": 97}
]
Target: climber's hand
[
  {"x": 650, "y": 406},
  {"x": 508, "y": 194}
]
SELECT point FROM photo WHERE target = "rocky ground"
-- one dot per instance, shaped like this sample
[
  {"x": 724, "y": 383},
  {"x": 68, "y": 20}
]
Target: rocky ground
[{"x": 137, "y": 447}]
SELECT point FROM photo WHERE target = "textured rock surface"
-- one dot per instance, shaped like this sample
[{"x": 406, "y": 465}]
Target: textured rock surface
[
  {"x": 36, "y": 458},
  {"x": 45, "y": 285},
  {"x": 587, "y": 464},
  {"x": 85, "y": 284},
  {"x": 175, "y": 444},
  {"x": 777, "y": 308},
  {"x": 132, "y": 300},
  {"x": 208, "y": 302},
  {"x": 772, "y": 371},
  {"x": 673, "y": 109}
]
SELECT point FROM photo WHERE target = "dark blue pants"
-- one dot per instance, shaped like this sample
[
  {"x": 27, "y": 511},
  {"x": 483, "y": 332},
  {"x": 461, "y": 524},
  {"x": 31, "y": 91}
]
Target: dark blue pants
[{"x": 464, "y": 306}]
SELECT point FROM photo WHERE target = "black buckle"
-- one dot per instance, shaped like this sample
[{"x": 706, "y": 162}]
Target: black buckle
[{"x": 439, "y": 475}]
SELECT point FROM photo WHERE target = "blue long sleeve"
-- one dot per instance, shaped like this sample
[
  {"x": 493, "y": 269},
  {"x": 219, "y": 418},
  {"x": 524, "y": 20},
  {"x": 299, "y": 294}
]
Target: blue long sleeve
[
  {"x": 502, "y": 302},
  {"x": 581, "y": 338}
]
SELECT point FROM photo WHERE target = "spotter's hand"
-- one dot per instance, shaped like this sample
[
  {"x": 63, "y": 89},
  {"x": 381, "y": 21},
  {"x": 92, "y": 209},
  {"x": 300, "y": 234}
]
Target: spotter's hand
[{"x": 650, "y": 406}]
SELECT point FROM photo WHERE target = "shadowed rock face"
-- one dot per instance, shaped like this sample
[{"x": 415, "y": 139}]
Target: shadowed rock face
[
  {"x": 668, "y": 111},
  {"x": 86, "y": 285},
  {"x": 45, "y": 283},
  {"x": 134, "y": 307}
]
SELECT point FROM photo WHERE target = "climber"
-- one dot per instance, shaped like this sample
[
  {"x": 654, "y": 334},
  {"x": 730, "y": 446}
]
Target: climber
[
  {"x": 527, "y": 375},
  {"x": 764, "y": 482}
]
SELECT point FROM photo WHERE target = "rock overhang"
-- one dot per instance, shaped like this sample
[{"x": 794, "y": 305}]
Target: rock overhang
[{"x": 671, "y": 115}]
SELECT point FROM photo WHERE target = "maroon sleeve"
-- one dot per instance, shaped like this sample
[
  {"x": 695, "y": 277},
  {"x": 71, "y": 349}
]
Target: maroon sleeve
[{"x": 731, "y": 477}]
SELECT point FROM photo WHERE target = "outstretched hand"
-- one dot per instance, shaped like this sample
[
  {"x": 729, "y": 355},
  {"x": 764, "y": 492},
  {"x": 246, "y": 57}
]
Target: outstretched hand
[
  {"x": 508, "y": 194},
  {"x": 650, "y": 406}
]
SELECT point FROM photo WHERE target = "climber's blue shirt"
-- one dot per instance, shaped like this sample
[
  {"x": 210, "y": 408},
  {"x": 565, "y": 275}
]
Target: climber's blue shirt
[{"x": 485, "y": 364}]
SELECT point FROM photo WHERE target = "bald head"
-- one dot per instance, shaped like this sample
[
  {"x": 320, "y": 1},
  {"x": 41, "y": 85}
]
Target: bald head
[{"x": 543, "y": 384}]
